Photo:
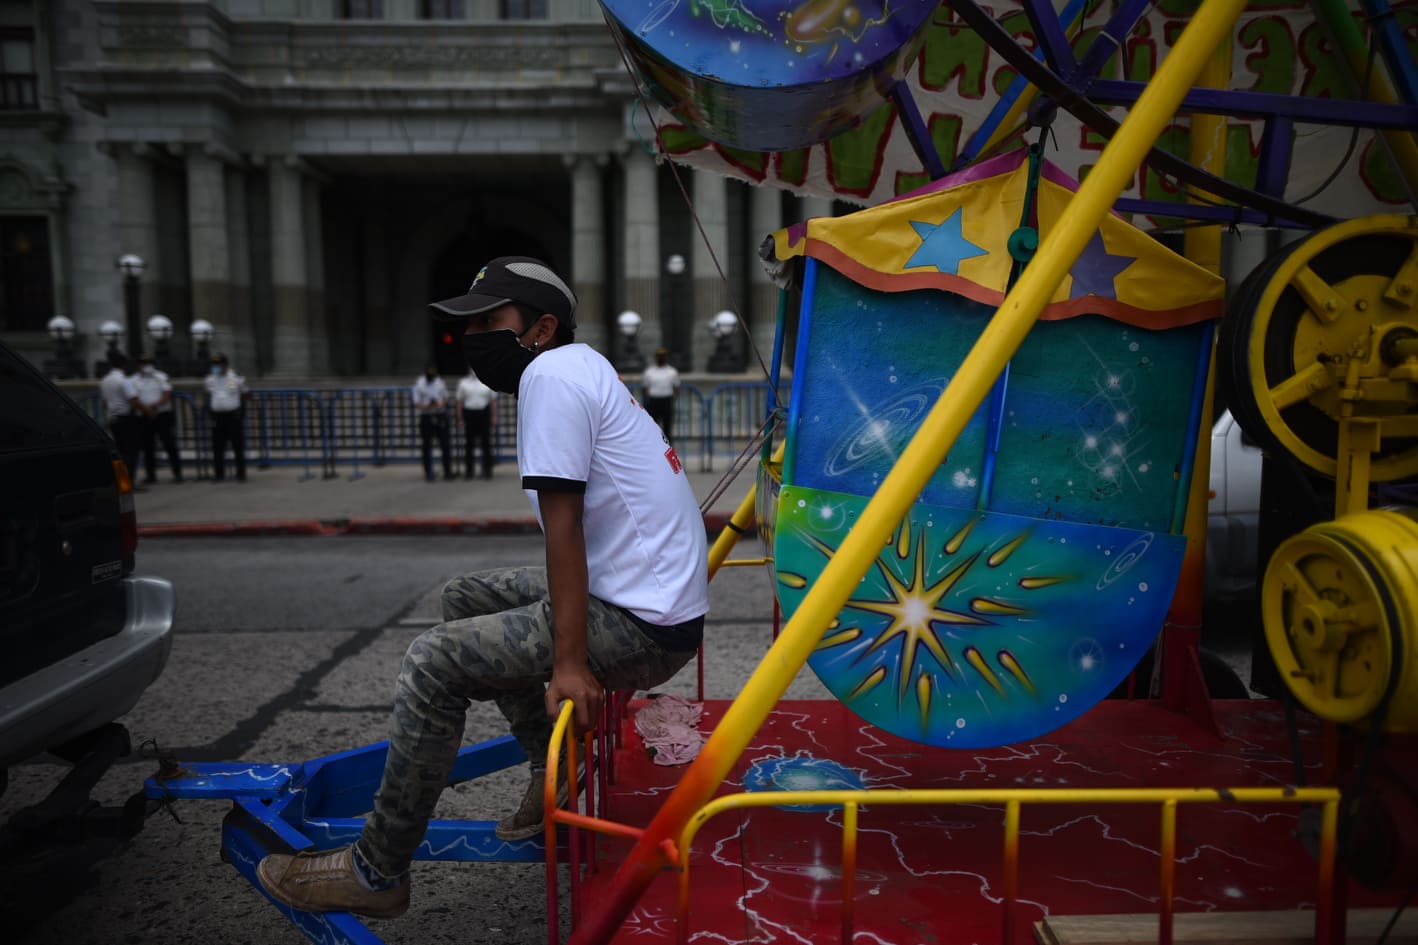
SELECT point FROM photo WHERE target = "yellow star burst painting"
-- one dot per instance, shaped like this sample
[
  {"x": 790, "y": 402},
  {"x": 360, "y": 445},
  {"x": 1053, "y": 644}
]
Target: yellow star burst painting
[{"x": 975, "y": 628}]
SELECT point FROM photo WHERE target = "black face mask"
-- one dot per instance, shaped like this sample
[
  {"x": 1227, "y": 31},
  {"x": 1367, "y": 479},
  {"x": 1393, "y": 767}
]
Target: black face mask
[{"x": 498, "y": 358}]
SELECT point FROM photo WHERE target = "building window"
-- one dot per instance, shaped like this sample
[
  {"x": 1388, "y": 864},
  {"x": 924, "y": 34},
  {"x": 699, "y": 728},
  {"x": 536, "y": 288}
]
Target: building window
[
  {"x": 26, "y": 289},
  {"x": 19, "y": 86},
  {"x": 364, "y": 9},
  {"x": 524, "y": 9},
  {"x": 443, "y": 10}
]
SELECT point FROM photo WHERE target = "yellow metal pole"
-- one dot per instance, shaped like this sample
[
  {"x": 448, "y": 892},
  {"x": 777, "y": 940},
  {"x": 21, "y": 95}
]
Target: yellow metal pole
[
  {"x": 1202, "y": 245},
  {"x": 999, "y": 341},
  {"x": 738, "y": 522}
]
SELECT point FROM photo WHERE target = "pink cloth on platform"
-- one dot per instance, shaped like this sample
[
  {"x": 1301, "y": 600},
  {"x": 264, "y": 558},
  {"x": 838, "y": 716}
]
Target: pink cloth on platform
[{"x": 669, "y": 727}]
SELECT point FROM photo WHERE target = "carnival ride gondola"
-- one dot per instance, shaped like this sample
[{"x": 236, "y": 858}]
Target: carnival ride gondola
[{"x": 978, "y": 501}]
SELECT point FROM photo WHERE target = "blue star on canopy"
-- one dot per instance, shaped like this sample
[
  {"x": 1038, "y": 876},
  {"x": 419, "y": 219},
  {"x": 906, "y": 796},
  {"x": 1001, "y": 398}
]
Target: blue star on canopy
[
  {"x": 1096, "y": 269},
  {"x": 943, "y": 245}
]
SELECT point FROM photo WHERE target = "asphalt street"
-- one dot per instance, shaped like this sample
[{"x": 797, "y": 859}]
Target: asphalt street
[{"x": 286, "y": 649}]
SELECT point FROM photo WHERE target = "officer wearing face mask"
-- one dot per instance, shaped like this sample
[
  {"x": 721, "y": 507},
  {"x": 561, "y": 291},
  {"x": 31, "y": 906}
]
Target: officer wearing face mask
[
  {"x": 620, "y": 603},
  {"x": 430, "y": 399},
  {"x": 225, "y": 402},
  {"x": 155, "y": 396}
]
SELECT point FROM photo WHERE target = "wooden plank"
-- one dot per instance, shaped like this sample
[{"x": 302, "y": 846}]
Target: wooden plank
[{"x": 1222, "y": 928}]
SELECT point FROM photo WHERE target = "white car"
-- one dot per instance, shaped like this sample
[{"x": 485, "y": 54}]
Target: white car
[{"x": 1233, "y": 512}]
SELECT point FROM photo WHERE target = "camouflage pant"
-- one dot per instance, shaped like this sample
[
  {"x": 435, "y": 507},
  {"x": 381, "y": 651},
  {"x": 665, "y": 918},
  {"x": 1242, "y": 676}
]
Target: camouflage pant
[{"x": 496, "y": 643}]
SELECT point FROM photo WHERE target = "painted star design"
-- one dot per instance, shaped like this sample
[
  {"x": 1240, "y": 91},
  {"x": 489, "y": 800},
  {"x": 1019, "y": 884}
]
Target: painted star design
[
  {"x": 1096, "y": 269},
  {"x": 943, "y": 245},
  {"x": 913, "y": 611}
]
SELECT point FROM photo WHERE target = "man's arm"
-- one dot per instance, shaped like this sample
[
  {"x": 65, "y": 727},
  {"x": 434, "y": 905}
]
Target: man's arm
[{"x": 571, "y": 676}]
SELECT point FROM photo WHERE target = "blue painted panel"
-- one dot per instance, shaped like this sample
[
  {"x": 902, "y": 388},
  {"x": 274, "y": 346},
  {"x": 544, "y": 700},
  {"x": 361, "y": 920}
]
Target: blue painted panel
[
  {"x": 872, "y": 366},
  {"x": 976, "y": 629},
  {"x": 1096, "y": 421},
  {"x": 769, "y": 75}
]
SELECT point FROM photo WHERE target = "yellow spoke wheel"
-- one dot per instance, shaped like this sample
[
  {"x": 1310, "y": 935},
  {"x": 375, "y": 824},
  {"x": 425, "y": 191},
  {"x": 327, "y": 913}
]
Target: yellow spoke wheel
[
  {"x": 1330, "y": 320},
  {"x": 1340, "y": 609}
]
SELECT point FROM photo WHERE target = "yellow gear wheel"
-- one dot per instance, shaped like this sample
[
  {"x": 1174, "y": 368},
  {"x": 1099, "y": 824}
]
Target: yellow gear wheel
[
  {"x": 1340, "y": 609},
  {"x": 1329, "y": 326}
]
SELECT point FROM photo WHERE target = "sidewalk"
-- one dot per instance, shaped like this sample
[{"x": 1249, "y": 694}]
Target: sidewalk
[{"x": 385, "y": 500}]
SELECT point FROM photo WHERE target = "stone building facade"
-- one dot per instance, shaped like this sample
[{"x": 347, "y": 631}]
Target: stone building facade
[{"x": 307, "y": 174}]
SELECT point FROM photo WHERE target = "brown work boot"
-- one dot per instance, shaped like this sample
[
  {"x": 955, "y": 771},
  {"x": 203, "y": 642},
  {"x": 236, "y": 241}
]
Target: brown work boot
[
  {"x": 529, "y": 819},
  {"x": 325, "y": 881}
]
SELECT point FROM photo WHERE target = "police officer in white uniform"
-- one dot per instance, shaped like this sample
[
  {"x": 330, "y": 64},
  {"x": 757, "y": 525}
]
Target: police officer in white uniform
[
  {"x": 477, "y": 416},
  {"x": 155, "y": 397},
  {"x": 661, "y": 382},
  {"x": 120, "y": 400},
  {"x": 430, "y": 396},
  {"x": 226, "y": 399}
]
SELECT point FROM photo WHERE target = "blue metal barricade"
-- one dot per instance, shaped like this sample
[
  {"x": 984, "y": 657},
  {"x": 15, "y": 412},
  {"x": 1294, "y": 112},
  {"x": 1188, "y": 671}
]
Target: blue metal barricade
[
  {"x": 734, "y": 413},
  {"x": 378, "y": 426}
]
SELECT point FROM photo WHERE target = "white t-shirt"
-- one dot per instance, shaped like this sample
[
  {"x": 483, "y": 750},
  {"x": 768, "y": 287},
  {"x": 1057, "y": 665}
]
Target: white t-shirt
[
  {"x": 430, "y": 393},
  {"x": 660, "y": 381},
  {"x": 150, "y": 389},
  {"x": 117, "y": 390},
  {"x": 224, "y": 391},
  {"x": 577, "y": 423},
  {"x": 473, "y": 394}
]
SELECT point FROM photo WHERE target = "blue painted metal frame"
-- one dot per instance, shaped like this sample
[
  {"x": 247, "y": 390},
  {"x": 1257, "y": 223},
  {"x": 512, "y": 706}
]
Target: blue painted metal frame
[
  {"x": 795, "y": 397},
  {"x": 976, "y": 141},
  {"x": 1401, "y": 65},
  {"x": 1077, "y": 83},
  {"x": 282, "y": 807}
]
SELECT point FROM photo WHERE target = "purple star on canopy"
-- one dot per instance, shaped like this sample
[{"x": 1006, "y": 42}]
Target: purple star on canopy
[{"x": 1096, "y": 269}]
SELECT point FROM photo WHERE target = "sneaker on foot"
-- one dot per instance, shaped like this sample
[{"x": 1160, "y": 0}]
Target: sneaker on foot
[
  {"x": 529, "y": 819},
  {"x": 326, "y": 881}
]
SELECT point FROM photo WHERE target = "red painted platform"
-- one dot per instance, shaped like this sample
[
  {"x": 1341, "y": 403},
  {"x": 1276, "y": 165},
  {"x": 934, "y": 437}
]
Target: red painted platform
[{"x": 932, "y": 875}]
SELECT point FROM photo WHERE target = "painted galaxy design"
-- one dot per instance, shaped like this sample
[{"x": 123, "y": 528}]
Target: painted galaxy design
[
  {"x": 785, "y": 42},
  {"x": 974, "y": 629},
  {"x": 802, "y": 772}
]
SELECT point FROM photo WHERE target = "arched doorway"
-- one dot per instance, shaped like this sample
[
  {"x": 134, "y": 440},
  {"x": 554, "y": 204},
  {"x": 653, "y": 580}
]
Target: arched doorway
[{"x": 453, "y": 272}]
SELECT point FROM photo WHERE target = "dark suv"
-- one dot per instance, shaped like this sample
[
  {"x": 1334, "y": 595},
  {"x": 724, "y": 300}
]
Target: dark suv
[{"x": 81, "y": 637}]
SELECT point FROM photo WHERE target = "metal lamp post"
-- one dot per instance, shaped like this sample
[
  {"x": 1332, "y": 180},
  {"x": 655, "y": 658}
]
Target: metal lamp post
[
  {"x": 675, "y": 326},
  {"x": 63, "y": 365},
  {"x": 724, "y": 360},
  {"x": 628, "y": 324},
  {"x": 202, "y": 333},
  {"x": 132, "y": 266},
  {"x": 112, "y": 333},
  {"x": 160, "y": 331}
]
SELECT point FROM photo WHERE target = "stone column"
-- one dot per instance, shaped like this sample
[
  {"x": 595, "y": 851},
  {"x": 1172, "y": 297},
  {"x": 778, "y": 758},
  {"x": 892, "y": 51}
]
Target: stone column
[
  {"x": 137, "y": 229},
  {"x": 816, "y": 207},
  {"x": 315, "y": 276},
  {"x": 290, "y": 317},
  {"x": 588, "y": 256},
  {"x": 765, "y": 216},
  {"x": 642, "y": 244},
  {"x": 240, "y": 334},
  {"x": 711, "y": 205},
  {"x": 208, "y": 239}
]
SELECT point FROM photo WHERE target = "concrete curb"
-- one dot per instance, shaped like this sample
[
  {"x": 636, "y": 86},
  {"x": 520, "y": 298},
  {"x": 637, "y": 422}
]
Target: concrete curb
[{"x": 714, "y": 523}]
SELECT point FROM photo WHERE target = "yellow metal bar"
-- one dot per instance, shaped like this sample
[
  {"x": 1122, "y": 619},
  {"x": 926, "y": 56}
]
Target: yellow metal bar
[
  {"x": 1011, "y": 869},
  {"x": 849, "y": 870},
  {"x": 1202, "y": 245},
  {"x": 738, "y": 522},
  {"x": 744, "y": 562},
  {"x": 1014, "y": 798},
  {"x": 1114, "y": 172},
  {"x": 1167, "y": 853}
]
